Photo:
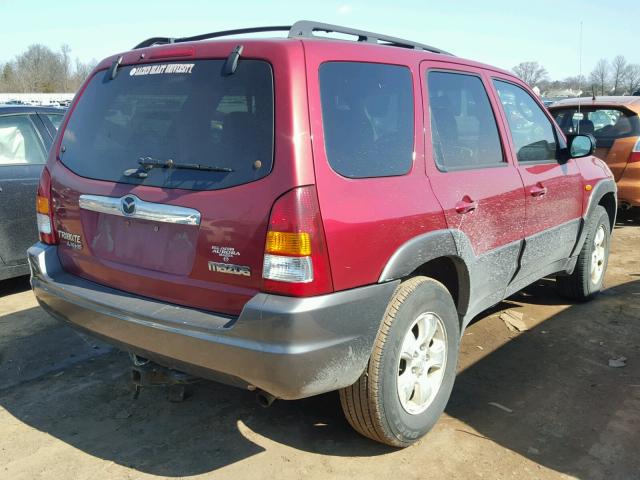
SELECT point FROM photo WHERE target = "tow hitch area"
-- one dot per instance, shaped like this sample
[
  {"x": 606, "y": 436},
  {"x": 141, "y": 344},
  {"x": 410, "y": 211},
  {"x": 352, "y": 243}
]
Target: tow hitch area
[{"x": 145, "y": 373}]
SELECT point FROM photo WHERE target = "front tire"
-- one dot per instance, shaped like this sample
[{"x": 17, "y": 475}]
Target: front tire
[
  {"x": 410, "y": 374},
  {"x": 586, "y": 280}
]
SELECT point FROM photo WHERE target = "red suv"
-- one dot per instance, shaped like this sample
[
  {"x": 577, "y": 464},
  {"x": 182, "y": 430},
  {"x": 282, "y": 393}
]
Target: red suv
[{"x": 304, "y": 214}]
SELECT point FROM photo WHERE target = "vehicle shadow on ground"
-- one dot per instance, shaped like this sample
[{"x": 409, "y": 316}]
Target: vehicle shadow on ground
[
  {"x": 90, "y": 407},
  {"x": 85, "y": 401},
  {"x": 571, "y": 412},
  {"x": 542, "y": 292},
  {"x": 14, "y": 285},
  {"x": 627, "y": 219}
]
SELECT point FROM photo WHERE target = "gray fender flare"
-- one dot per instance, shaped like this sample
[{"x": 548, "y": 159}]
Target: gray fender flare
[
  {"x": 419, "y": 250},
  {"x": 600, "y": 189}
]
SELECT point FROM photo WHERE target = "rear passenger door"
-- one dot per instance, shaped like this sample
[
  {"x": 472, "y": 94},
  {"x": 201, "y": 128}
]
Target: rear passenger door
[
  {"x": 553, "y": 186},
  {"x": 473, "y": 176},
  {"x": 23, "y": 148}
]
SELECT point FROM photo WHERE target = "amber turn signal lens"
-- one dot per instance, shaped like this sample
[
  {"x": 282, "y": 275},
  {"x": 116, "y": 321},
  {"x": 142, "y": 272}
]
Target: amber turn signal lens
[
  {"x": 42, "y": 205},
  {"x": 286, "y": 243}
]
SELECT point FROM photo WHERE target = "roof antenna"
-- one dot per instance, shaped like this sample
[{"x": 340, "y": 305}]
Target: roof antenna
[
  {"x": 580, "y": 75},
  {"x": 231, "y": 63},
  {"x": 113, "y": 71}
]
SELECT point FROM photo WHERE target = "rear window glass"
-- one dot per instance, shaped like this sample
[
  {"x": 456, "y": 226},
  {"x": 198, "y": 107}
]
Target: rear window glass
[
  {"x": 367, "y": 113},
  {"x": 605, "y": 124},
  {"x": 179, "y": 115}
]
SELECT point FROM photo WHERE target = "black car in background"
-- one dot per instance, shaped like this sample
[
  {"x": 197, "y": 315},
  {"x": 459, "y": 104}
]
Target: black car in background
[{"x": 26, "y": 134}]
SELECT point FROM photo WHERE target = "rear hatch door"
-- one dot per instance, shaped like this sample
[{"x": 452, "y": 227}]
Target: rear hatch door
[{"x": 164, "y": 185}]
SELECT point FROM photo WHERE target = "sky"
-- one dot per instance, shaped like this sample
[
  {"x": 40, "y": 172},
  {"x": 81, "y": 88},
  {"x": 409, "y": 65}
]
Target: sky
[{"x": 497, "y": 32}]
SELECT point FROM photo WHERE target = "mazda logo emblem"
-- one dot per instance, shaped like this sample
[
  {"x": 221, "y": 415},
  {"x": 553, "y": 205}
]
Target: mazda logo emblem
[{"x": 128, "y": 205}]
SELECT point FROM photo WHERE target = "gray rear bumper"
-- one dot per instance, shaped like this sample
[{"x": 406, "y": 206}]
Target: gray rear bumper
[{"x": 289, "y": 347}]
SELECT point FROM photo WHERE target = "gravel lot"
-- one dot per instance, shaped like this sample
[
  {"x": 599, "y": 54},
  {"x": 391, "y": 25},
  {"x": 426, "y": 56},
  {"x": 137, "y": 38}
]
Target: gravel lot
[{"x": 542, "y": 403}]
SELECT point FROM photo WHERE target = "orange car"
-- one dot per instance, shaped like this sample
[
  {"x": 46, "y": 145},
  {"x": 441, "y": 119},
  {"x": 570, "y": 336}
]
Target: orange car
[{"x": 615, "y": 124}]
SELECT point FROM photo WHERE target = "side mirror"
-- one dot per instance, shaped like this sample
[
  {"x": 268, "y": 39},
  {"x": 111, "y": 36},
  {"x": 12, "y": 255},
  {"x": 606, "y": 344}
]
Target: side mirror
[{"x": 581, "y": 145}]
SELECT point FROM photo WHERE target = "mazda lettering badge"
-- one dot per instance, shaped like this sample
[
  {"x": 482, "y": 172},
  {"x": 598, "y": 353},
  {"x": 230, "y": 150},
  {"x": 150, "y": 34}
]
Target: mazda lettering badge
[{"x": 128, "y": 205}]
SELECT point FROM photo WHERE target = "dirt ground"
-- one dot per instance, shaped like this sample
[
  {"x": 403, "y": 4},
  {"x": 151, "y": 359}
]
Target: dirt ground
[{"x": 66, "y": 410}]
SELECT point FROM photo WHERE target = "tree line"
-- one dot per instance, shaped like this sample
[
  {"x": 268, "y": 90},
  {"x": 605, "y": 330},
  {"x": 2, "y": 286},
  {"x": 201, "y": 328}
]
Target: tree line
[
  {"x": 42, "y": 70},
  {"x": 608, "y": 77}
]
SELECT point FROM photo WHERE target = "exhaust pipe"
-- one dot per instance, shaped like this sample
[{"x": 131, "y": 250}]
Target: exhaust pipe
[{"x": 265, "y": 400}]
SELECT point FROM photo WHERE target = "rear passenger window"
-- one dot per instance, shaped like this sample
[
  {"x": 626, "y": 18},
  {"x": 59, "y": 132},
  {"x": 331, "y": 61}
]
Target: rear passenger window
[
  {"x": 533, "y": 134},
  {"x": 463, "y": 126},
  {"x": 367, "y": 114}
]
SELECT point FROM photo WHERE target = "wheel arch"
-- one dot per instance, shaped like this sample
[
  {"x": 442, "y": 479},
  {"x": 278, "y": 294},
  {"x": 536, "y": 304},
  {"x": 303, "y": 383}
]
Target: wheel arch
[
  {"x": 433, "y": 255},
  {"x": 604, "y": 194},
  {"x": 608, "y": 201}
]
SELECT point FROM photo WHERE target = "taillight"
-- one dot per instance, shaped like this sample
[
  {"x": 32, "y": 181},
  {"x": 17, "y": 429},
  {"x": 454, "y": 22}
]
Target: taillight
[
  {"x": 296, "y": 261},
  {"x": 44, "y": 210},
  {"x": 635, "y": 152}
]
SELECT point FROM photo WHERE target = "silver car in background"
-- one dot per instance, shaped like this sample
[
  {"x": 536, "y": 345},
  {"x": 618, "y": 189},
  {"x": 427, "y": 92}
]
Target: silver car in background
[{"x": 26, "y": 134}]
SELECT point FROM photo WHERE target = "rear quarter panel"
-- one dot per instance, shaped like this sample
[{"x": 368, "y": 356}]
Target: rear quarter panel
[{"x": 366, "y": 220}]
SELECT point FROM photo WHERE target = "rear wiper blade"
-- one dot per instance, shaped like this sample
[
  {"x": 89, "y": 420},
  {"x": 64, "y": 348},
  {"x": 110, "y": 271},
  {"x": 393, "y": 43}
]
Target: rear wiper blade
[{"x": 147, "y": 163}]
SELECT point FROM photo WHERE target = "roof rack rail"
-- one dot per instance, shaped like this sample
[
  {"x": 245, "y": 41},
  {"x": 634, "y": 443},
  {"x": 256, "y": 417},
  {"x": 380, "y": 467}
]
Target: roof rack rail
[
  {"x": 301, "y": 29},
  {"x": 305, "y": 29},
  {"x": 224, "y": 33}
]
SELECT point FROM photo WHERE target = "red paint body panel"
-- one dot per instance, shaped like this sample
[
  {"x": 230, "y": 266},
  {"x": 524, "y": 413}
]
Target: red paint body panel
[
  {"x": 562, "y": 201},
  {"x": 592, "y": 170}
]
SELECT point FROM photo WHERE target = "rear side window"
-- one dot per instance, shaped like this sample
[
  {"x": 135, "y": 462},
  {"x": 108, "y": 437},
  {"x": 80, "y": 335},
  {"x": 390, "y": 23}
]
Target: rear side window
[
  {"x": 368, "y": 117},
  {"x": 532, "y": 132},
  {"x": 19, "y": 142},
  {"x": 188, "y": 113},
  {"x": 463, "y": 127},
  {"x": 605, "y": 124}
]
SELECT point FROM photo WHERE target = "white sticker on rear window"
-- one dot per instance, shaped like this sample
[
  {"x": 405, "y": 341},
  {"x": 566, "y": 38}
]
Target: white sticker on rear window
[{"x": 162, "y": 69}]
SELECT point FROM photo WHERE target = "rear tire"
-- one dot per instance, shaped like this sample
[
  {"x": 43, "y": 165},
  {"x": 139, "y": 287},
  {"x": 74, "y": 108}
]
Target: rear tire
[
  {"x": 411, "y": 372},
  {"x": 586, "y": 280}
]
